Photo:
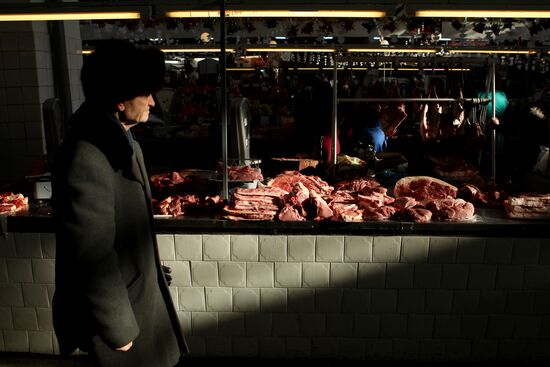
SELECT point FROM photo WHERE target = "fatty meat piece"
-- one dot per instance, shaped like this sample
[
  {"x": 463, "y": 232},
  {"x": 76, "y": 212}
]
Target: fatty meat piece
[
  {"x": 424, "y": 188},
  {"x": 290, "y": 214}
]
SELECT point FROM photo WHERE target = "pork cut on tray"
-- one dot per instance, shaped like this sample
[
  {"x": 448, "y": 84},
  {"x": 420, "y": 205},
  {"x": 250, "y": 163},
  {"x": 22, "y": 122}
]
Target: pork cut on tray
[
  {"x": 11, "y": 203},
  {"x": 424, "y": 188},
  {"x": 528, "y": 206},
  {"x": 255, "y": 204}
]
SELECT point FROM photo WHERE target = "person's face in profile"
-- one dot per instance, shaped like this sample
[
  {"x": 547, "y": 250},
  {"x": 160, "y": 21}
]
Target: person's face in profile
[{"x": 135, "y": 110}]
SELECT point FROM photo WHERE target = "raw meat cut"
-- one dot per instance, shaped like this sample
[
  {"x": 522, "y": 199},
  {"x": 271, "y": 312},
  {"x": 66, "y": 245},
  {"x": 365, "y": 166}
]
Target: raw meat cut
[
  {"x": 297, "y": 195},
  {"x": 7, "y": 208},
  {"x": 451, "y": 210},
  {"x": 419, "y": 215},
  {"x": 290, "y": 214},
  {"x": 248, "y": 214},
  {"x": 424, "y": 188},
  {"x": 262, "y": 192},
  {"x": 375, "y": 200},
  {"x": 244, "y": 173},
  {"x": 323, "y": 210},
  {"x": 11, "y": 203},
  {"x": 391, "y": 115},
  {"x": 288, "y": 179},
  {"x": 405, "y": 202},
  {"x": 430, "y": 118},
  {"x": 380, "y": 213},
  {"x": 255, "y": 204},
  {"x": 177, "y": 205},
  {"x": 528, "y": 206},
  {"x": 356, "y": 185}
]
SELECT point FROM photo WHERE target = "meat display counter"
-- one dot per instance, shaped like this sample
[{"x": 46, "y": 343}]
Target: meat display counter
[
  {"x": 379, "y": 290},
  {"x": 486, "y": 222}
]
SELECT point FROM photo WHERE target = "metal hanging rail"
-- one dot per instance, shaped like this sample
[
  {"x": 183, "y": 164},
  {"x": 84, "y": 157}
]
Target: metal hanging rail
[
  {"x": 419, "y": 99},
  {"x": 493, "y": 130},
  {"x": 223, "y": 61},
  {"x": 440, "y": 60}
]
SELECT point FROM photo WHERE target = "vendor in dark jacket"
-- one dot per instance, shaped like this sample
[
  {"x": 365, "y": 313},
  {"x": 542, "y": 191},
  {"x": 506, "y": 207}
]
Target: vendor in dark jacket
[{"x": 111, "y": 297}]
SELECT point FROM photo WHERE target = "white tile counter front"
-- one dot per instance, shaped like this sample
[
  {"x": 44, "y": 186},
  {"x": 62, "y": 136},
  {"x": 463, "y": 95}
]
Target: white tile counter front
[{"x": 334, "y": 296}]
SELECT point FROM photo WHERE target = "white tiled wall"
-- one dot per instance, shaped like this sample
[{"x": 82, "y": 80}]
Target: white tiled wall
[
  {"x": 26, "y": 81},
  {"x": 352, "y": 297}
]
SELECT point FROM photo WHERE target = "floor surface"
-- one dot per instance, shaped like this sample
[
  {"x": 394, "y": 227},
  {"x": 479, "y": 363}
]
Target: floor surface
[{"x": 37, "y": 360}]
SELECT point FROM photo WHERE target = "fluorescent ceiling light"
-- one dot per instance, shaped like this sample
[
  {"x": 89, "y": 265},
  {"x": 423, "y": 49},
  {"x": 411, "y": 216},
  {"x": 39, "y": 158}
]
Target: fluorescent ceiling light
[
  {"x": 190, "y": 50},
  {"x": 404, "y": 50},
  {"x": 69, "y": 16},
  {"x": 240, "y": 69},
  {"x": 311, "y": 69},
  {"x": 277, "y": 14},
  {"x": 280, "y": 49},
  {"x": 179, "y": 50},
  {"x": 484, "y": 13},
  {"x": 194, "y": 14},
  {"x": 482, "y": 51}
]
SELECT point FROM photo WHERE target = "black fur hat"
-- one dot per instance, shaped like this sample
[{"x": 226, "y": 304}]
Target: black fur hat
[{"x": 117, "y": 71}]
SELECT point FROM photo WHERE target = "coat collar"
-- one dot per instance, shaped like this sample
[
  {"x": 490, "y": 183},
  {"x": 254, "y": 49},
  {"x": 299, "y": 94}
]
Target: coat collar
[{"x": 104, "y": 131}]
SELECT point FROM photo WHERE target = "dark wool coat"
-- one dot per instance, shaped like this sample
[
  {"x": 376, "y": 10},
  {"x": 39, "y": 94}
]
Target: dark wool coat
[{"x": 110, "y": 288}]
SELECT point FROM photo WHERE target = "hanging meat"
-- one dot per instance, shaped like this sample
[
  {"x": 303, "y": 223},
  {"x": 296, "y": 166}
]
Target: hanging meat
[
  {"x": 452, "y": 118},
  {"x": 457, "y": 108},
  {"x": 430, "y": 118},
  {"x": 392, "y": 114}
]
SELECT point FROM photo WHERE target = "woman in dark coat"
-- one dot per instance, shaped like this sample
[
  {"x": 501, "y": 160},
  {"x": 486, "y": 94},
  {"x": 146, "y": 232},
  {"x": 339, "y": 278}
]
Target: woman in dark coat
[{"x": 111, "y": 296}]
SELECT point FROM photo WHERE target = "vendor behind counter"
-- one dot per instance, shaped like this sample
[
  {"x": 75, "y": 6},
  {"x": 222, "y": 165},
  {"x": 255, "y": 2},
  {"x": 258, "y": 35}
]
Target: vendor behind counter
[{"x": 361, "y": 129}]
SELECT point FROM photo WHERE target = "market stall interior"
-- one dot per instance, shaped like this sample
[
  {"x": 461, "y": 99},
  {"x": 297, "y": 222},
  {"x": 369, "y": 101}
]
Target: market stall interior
[
  {"x": 338, "y": 180},
  {"x": 379, "y": 94}
]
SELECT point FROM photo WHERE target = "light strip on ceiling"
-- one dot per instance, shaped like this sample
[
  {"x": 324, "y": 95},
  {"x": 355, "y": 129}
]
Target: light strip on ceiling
[
  {"x": 404, "y": 50},
  {"x": 277, "y": 14},
  {"x": 313, "y": 69},
  {"x": 179, "y": 50},
  {"x": 483, "y": 13},
  {"x": 193, "y": 14},
  {"x": 277, "y": 49},
  {"x": 196, "y": 50},
  {"x": 240, "y": 69},
  {"x": 374, "y": 68},
  {"x": 69, "y": 16},
  {"x": 483, "y": 51}
]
